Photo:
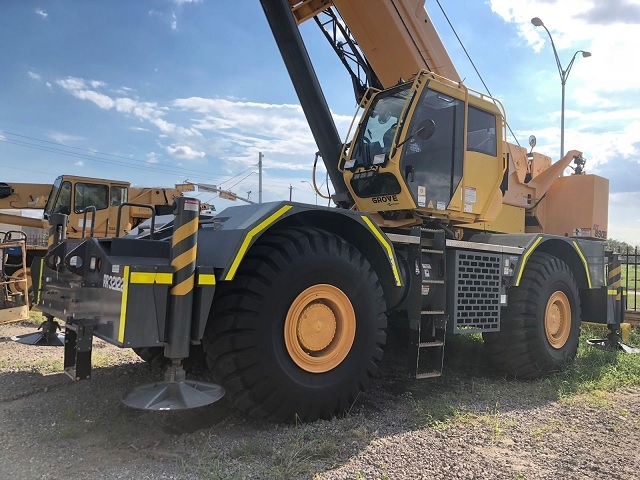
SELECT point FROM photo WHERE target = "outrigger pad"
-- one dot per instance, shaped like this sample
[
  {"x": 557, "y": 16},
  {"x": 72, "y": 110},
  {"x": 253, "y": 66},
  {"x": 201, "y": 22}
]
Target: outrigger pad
[
  {"x": 46, "y": 336},
  {"x": 173, "y": 395},
  {"x": 612, "y": 345}
]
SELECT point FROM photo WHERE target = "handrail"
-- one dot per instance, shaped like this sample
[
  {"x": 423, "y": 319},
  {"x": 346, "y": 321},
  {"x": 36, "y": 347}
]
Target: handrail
[
  {"x": 90, "y": 208},
  {"x": 140, "y": 205}
]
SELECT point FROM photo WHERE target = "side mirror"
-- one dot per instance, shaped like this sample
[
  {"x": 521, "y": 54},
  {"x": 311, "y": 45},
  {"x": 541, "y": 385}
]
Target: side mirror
[{"x": 426, "y": 129}]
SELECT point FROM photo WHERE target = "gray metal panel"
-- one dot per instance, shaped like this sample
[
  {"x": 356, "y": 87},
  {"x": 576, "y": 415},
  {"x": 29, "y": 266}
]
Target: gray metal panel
[
  {"x": 521, "y": 240},
  {"x": 484, "y": 247},
  {"x": 410, "y": 239},
  {"x": 474, "y": 296}
]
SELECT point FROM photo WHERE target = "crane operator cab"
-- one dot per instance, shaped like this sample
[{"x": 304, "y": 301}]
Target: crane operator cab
[{"x": 430, "y": 147}]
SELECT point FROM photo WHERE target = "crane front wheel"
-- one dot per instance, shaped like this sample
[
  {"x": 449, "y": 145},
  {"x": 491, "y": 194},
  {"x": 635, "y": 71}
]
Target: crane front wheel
[{"x": 299, "y": 331}]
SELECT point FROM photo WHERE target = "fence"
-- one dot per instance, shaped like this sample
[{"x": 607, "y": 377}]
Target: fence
[{"x": 629, "y": 259}]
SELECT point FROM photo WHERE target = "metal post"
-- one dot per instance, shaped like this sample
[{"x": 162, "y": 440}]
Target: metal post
[
  {"x": 58, "y": 229},
  {"x": 564, "y": 82},
  {"x": 183, "y": 260},
  {"x": 260, "y": 157}
]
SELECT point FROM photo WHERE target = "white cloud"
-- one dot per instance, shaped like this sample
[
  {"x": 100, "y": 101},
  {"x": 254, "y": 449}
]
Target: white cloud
[
  {"x": 64, "y": 137},
  {"x": 41, "y": 12},
  {"x": 152, "y": 158},
  {"x": 34, "y": 75},
  {"x": 147, "y": 111},
  {"x": 184, "y": 151},
  {"x": 245, "y": 128},
  {"x": 79, "y": 163},
  {"x": 183, "y": 2},
  {"x": 624, "y": 220}
]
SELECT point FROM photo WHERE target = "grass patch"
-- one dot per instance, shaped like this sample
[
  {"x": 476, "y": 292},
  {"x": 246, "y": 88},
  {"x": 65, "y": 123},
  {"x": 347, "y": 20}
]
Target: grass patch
[
  {"x": 631, "y": 281},
  {"x": 596, "y": 370},
  {"x": 471, "y": 392},
  {"x": 36, "y": 317}
]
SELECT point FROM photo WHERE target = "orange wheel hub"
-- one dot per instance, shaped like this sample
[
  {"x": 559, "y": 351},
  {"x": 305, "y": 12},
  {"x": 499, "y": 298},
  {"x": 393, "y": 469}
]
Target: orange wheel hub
[
  {"x": 320, "y": 328},
  {"x": 557, "y": 320}
]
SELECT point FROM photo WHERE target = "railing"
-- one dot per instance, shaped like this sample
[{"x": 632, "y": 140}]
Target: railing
[{"x": 629, "y": 257}]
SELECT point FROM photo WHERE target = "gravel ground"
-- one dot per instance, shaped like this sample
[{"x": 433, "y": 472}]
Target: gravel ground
[{"x": 460, "y": 426}]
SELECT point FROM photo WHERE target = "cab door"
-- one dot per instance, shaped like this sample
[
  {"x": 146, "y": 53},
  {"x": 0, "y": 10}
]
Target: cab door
[{"x": 89, "y": 196}]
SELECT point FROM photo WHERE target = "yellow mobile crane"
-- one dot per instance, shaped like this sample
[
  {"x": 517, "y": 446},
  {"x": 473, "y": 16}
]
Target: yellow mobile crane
[
  {"x": 74, "y": 195},
  {"x": 442, "y": 228},
  {"x": 93, "y": 207}
]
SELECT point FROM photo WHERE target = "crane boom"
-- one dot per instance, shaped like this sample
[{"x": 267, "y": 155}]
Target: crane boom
[{"x": 396, "y": 37}]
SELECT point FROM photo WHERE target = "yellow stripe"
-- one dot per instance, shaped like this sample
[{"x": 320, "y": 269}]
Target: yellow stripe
[
  {"x": 40, "y": 279},
  {"x": 184, "y": 231},
  {"x": 164, "y": 278},
  {"x": 525, "y": 257},
  {"x": 387, "y": 246},
  {"x": 142, "y": 277},
  {"x": 252, "y": 233},
  {"x": 206, "y": 279},
  {"x": 123, "y": 304},
  {"x": 183, "y": 287},
  {"x": 584, "y": 262},
  {"x": 151, "y": 277},
  {"x": 184, "y": 258},
  {"x": 612, "y": 292},
  {"x": 615, "y": 271}
]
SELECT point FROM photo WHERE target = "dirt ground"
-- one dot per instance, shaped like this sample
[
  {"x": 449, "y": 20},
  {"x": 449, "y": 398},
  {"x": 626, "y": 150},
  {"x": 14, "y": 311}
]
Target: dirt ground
[{"x": 486, "y": 428}]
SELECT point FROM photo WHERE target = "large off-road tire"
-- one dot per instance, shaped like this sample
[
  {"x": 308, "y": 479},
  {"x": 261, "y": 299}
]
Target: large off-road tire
[
  {"x": 540, "y": 328},
  {"x": 299, "y": 331}
]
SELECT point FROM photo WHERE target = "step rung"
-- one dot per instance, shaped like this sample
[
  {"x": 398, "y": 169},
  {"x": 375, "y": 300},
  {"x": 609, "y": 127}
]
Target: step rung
[
  {"x": 440, "y": 282},
  {"x": 432, "y": 312},
  {"x": 431, "y": 250},
  {"x": 436, "y": 343},
  {"x": 428, "y": 375}
]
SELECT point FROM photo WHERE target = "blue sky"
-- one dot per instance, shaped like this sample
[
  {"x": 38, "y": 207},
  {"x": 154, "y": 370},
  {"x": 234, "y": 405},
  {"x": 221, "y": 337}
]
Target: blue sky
[{"x": 163, "y": 91}]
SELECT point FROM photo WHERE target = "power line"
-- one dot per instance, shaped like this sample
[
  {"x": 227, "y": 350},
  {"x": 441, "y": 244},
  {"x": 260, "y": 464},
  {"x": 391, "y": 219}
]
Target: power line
[
  {"x": 118, "y": 160},
  {"x": 97, "y": 156},
  {"x": 473, "y": 64}
]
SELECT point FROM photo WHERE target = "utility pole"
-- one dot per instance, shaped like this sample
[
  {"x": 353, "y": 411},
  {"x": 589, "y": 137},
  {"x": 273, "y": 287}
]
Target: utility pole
[
  {"x": 260, "y": 157},
  {"x": 290, "y": 191}
]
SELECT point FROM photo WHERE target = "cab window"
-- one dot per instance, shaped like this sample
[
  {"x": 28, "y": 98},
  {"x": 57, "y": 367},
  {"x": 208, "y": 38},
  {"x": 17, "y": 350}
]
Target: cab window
[
  {"x": 88, "y": 195},
  {"x": 481, "y": 132},
  {"x": 63, "y": 202},
  {"x": 118, "y": 196}
]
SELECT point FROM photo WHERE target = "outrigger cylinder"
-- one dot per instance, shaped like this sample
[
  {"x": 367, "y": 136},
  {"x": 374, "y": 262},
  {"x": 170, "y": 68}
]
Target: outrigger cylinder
[{"x": 177, "y": 393}]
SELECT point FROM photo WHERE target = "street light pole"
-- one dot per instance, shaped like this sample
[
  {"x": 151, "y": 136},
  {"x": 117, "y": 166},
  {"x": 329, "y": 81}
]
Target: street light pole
[{"x": 564, "y": 74}]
